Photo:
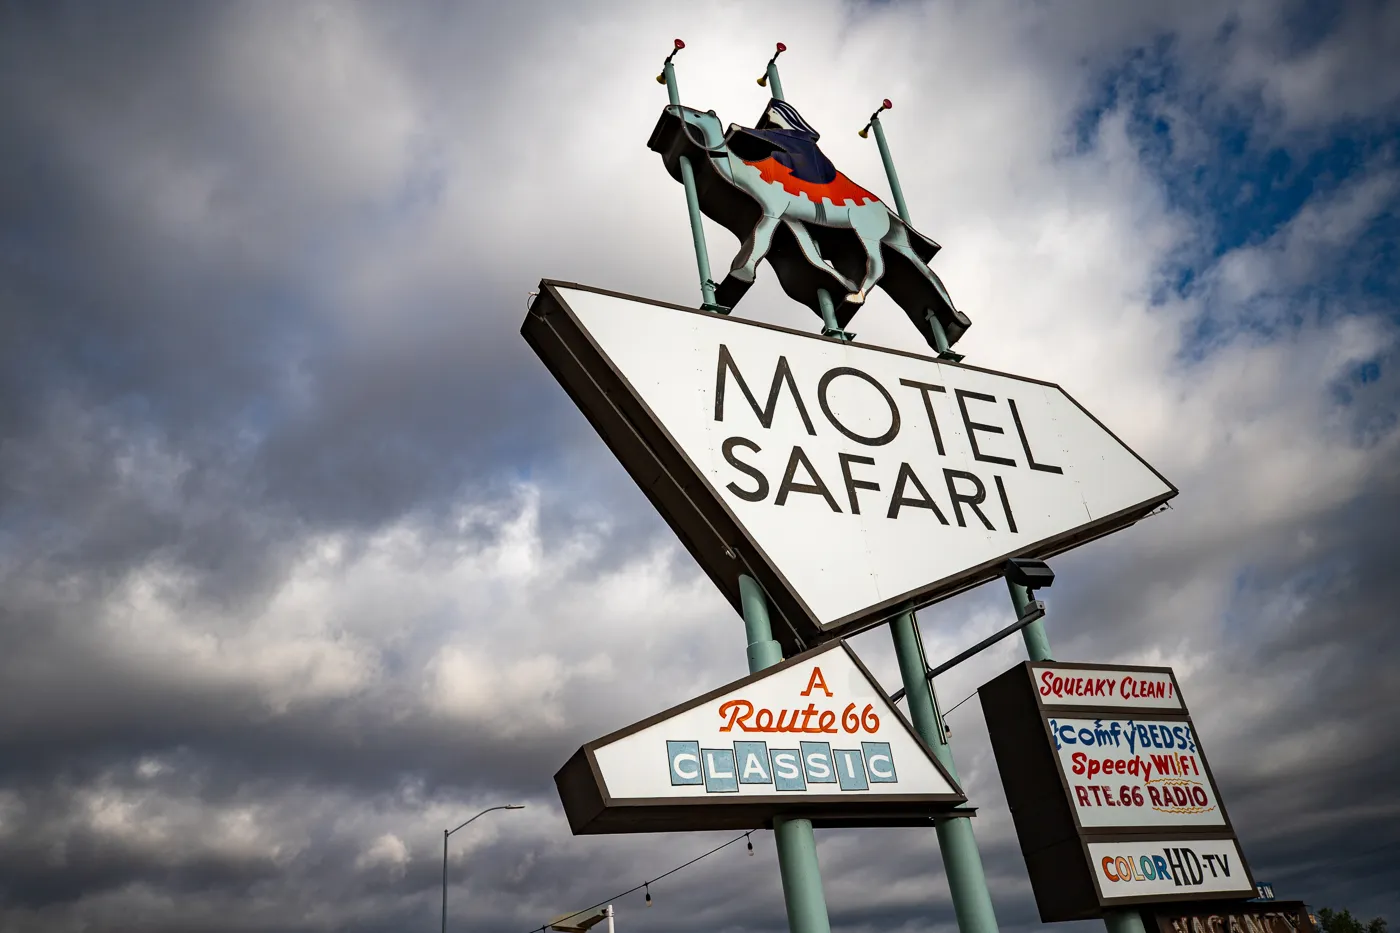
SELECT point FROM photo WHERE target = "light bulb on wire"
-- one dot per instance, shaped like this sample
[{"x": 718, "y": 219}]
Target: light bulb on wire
[
  {"x": 648, "y": 890},
  {"x": 750, "y": 842}
]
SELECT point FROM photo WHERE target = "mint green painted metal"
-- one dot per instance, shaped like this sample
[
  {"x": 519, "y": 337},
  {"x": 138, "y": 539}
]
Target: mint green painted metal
[
  {"x": 692, "y": 203},
  {"x": 923, "y": 709},
  {"x": 962, "y": 862},
  {"x": 829, "y": 326},
  {"x": 940, "y": 337},
  {"x": 802, "y": 880},
  {"x": 797, "y": 845},
  {"x": 1037, "y": 642},
  {"x": 972, "y": 902},
  {"x": 1123, "y": 921},
  {"x": 764, "y": 650},
  {"x": 774, "y": 82},
  {"x": 900, "y": 207}
]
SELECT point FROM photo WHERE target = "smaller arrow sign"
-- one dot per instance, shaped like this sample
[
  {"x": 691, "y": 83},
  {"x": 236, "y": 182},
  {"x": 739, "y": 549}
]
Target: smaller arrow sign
[{"x": 813, "y": 737}]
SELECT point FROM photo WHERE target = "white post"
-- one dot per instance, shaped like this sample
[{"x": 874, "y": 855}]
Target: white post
[{"x": 610, "y": 919}]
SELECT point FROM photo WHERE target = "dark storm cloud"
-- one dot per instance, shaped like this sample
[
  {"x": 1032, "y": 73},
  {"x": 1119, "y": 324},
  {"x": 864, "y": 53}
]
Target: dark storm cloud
[
  {"x": 165, "y": 293},
  {"x": 304, "y": 556}
]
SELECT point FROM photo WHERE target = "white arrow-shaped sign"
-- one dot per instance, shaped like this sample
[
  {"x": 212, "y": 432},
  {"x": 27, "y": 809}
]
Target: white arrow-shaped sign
[
  {"x": 814, "y": 736},
  {"x": 853, "y": 482}
]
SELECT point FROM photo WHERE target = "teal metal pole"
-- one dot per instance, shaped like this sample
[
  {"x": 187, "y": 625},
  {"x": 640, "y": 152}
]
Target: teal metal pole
[
  {"x": 802, "y": 880},
  {"x": 829, "y": 326},
  {"x": 962, "y": 862},
  {"x": 775, "y": 83},
  {"x": 692, "y": 202},
  {"x": 1123, "y": 921},
  {"x": 1038, "y": 649},
  {"x": 900, "y": 207},
  {"x": 796, "y": 843},
  {"x": 764, "y": 650},
  {"x": 1037, "y": 642},
  {"x": 940, "y": 336}
]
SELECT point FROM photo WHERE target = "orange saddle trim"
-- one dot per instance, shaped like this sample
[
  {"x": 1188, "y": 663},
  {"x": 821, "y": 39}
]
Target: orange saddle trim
[{"x": 840, "y": 189}]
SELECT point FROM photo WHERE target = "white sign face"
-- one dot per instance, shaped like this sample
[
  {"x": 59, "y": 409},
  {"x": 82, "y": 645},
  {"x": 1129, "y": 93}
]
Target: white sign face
[
  {"x": 907, "y": 470},
  {"x": 1177, "y": 867},
  {"x": 1132, "y": 773},
  {"x": 818, "y": 728},
  {"x": 1062, "y": 686}
]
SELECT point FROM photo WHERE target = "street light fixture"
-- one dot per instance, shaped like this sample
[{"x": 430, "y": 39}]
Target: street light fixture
[{"x": 448, "y": 832}]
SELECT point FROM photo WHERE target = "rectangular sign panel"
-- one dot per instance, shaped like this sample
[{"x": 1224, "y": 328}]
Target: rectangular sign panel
[
  {"x": 1127, "y": 871},
  {"x": 919, "y": 476},
  {"x": 1101, "y": 763},
  {"x": 811, "y": 736},
  {"x": 1064, "y": 685},
  {"x": 1135, "y": 773}
]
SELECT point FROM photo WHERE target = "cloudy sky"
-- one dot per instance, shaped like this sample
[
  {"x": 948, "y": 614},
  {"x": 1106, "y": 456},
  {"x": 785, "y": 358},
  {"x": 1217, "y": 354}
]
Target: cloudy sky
[{"x": 305, "y": 557}]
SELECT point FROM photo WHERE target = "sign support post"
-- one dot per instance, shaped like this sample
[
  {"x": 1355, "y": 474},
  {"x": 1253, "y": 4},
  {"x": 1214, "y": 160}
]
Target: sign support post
[
  {"x": 940, "y": 336},
  {"x": 692, "y": 196},
  {"x": 797, "y": 845},
  {"x": 912, "y": 665},
  {"x": 1037, "y": 642},
  {"x": 1038, "y": 649},
  {"x": 962, "y": 861}
]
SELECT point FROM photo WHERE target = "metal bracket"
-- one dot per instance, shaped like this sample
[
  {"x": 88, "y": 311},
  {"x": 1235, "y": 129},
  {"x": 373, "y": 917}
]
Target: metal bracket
[
  {"x": 839, "y": 334},
  {"x": 714, "y": 308},
  {"x": 1035, "y": 611}
]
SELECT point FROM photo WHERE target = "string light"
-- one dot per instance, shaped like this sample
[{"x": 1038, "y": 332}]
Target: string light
[{"x": 646, "y": 885}]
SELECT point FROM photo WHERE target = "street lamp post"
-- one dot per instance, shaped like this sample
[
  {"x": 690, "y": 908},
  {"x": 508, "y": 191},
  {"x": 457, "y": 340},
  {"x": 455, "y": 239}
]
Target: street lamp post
[{"x": 448, "y": 832}]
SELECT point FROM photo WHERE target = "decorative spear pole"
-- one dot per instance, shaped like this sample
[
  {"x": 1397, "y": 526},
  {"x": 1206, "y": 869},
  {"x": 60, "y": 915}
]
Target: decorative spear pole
[
  {"x": 830, "y": 327},
  {"x": 692, "y": 196},
  {"x": 962, "y": 861},
  {"x": 905, "y": 629},
  {"x": 940, "y": 336},
  {"x": 796, "y": 843}
]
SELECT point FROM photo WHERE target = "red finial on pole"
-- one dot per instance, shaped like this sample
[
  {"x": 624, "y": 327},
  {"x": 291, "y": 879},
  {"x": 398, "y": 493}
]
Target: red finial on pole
[
  {"x": 661, "y": 78},
  {"x": 763, "y": 79},
  {"x": 884, "y": 105}
]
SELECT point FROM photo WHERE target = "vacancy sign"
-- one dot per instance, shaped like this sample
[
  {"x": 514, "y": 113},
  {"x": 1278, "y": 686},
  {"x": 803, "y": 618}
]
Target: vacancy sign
[
  {"x": 852, "y": 482},
  {"x": 812, "y": 737}
]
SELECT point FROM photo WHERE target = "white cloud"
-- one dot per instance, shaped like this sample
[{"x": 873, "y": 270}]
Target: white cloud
[{"x": 493, "y": 621}]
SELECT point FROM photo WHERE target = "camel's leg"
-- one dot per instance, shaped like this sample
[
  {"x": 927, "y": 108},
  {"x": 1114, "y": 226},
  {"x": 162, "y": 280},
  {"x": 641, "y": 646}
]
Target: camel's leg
[
  {"x": 874, "y": 270},
  {"x": 745, "y": 265},
  {"x": 871, "y": 222},
  {"x": 814, "y": 255}
]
